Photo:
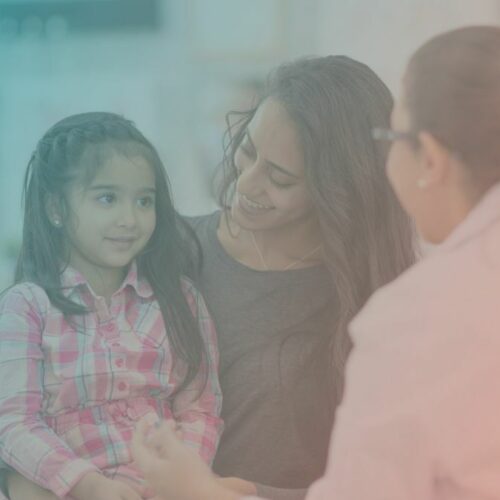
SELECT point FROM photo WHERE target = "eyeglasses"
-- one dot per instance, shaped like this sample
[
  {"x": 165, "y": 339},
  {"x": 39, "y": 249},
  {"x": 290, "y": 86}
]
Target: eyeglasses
[{"x": 389, "y": 135}]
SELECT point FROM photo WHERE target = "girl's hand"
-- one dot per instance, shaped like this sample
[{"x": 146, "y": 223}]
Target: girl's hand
[
  {"x": 95, "y": 486},
  {"x": 173, "y": 469},
  {"x": 238, "y": 485}
]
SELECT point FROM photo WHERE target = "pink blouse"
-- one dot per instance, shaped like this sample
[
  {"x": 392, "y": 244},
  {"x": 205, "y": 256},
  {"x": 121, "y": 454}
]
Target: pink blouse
[{"x": 421, "y": 414}]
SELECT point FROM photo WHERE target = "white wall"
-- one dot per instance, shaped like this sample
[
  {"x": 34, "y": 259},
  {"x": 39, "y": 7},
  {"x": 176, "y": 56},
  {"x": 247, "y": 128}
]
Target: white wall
[
  {"x": 384, "y": 33},
  {"x": 176, "y": 84}
]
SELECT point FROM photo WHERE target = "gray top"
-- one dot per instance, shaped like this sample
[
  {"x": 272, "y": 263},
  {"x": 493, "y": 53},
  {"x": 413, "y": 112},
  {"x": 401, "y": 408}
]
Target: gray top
[{"x": 276, "y": 432}]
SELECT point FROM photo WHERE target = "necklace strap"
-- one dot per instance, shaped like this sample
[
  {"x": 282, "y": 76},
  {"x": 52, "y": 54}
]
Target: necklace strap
[
  {"x": 302, "y": 259},
  {"x": 259, "y": 253},
  {"x": 289, "y": 266}
]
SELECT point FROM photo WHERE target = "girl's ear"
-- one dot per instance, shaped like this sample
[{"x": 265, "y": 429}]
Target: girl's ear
[{"x": 53, "y": 210}]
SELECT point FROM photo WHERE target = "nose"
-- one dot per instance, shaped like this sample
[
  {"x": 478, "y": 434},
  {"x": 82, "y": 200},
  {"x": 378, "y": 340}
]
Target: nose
[
  {"x": 127, "y": 216},
  {"x": 251, "y": 179}
]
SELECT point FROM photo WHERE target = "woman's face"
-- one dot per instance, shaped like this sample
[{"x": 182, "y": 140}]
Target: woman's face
[
  {"x": 402, "y": 161},
  {"x": 271, "y": 190},
  {"x": 406, "y": 172},
  {"x": 425, "y": 179}
]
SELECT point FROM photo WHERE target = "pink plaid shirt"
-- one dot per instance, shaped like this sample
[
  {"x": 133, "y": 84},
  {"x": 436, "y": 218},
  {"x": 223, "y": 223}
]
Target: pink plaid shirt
[{"x": 71, "y": 392}]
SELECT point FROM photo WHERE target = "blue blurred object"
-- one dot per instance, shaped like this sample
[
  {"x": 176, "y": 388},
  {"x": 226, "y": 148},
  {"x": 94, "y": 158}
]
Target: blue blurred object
[{"x": 86, "y": 15}]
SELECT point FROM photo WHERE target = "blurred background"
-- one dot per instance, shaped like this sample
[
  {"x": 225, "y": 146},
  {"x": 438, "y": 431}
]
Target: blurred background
[{"x": 176, "y": 67}]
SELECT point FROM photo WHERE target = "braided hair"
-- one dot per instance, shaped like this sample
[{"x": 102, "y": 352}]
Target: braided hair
[{"x": 72, "y": 151}]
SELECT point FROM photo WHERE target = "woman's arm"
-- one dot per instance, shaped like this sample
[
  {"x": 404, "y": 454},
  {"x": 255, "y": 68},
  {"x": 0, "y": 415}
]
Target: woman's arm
[
  {"x": 20, "y": 488},
  {"x": 248, "y": 488},
  {"x": 93, "y": 486},
  {"x": 264, "y": 491}
]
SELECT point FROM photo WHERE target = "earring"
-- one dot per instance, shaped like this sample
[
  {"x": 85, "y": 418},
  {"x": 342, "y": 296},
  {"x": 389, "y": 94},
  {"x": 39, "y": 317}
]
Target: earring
[
  {"x": 422, "y": 183},
  {"x": 56, "y": 222}
]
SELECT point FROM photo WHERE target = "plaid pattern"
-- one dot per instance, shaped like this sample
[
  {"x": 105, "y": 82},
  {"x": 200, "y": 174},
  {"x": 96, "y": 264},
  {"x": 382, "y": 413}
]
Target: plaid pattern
[{"x": 71, "y": 392}]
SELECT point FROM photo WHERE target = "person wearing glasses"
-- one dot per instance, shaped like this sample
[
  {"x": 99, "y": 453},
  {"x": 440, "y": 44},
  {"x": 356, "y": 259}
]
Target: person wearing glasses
[{"x": 421, "y": 410}]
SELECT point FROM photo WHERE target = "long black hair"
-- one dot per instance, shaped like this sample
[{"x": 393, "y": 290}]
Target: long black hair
[
  {"x": 70, "y": 152},
  {"x": 334, "y": 102}
]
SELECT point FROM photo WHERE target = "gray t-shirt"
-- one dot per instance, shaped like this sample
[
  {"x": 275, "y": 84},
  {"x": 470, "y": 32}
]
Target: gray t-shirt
[{"x": 276, "y": 431}]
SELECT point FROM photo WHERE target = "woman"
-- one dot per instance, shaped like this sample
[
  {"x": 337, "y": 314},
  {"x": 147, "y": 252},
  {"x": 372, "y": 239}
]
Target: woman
[
  {"x": 308, "y": 229},
  {"x": 421, "y": 409}
]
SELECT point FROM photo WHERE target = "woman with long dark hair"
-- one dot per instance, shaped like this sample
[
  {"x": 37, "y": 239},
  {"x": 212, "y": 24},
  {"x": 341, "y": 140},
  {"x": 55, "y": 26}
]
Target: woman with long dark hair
[{"x": 308, "y": 229}]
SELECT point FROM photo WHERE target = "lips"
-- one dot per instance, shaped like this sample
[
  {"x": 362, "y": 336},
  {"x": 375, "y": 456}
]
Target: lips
[
  {"x": 252, "y": 207},
  {"x": 121, "y": 242}
]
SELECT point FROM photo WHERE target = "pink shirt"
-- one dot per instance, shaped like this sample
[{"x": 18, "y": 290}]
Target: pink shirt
[
  {"x": 421, "y": 415},
  {"x": 70, "y": 393}
]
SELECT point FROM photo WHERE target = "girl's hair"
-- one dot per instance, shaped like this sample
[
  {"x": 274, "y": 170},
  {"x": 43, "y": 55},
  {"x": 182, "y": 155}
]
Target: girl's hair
[
  {"x": 452, "y": 90},
  {"x": 72, "y": 151},
  {"x": 334, "y": 102}
]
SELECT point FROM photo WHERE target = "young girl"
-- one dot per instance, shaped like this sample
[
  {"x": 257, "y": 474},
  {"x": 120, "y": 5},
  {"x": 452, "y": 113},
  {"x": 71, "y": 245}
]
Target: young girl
[{"x": 100, "y": 328}]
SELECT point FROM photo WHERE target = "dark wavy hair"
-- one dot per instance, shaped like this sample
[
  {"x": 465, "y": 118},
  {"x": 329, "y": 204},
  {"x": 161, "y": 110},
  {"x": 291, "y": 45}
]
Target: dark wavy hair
[
  {"x": 71, "y": 152},
  {"x": 334, "y": 102}
]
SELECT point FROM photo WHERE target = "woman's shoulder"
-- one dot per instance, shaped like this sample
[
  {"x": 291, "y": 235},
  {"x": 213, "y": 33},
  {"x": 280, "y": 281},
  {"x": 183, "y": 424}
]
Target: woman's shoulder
[
  {"x": 437, "y": 294},
  {"x": 203, "y": 223}
]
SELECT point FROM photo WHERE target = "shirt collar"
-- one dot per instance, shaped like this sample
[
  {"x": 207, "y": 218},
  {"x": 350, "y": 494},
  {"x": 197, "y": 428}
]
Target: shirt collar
[
  {"x": 483, "y": 215},
  {"x": 71, "y": 279}
]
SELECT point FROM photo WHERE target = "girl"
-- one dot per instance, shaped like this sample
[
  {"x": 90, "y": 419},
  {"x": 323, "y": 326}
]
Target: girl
[
  {"x": 101, "y": 328},
  {"x": 421, "y": 412},
  {"x": 308, "y": 229}
]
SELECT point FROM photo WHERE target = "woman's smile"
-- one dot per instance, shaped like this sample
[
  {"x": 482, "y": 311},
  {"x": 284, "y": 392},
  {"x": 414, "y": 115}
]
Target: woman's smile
[{"x": 252, "y": 207}]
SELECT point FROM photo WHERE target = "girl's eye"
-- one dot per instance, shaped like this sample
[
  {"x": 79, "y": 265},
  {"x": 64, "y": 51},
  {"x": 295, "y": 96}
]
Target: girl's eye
[
  {"x": 106, "y": 199},
  {"x": 145, "y": 202}
]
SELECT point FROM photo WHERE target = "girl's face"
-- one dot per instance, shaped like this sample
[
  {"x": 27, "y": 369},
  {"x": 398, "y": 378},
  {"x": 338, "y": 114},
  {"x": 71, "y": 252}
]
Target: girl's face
[
  {"x": 112, "y": 219},
  {"x": 271, "y": 190}
]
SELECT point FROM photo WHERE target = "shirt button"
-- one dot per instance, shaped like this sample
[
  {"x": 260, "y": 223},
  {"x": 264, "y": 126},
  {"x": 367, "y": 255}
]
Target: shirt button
[
  {"x": 119, "y": 362},
  {"x": 122, "y": 386}
]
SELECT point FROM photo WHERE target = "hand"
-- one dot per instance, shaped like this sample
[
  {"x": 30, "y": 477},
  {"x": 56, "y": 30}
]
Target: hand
[
  {"x": 238, "y": 485},
  {"x": 95, "y": 486},
  {"x": 173, "y": 469}
]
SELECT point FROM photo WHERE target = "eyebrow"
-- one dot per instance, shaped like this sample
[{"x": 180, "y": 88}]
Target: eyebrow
[
  {"x": 112, "y": 187},
  {"x": 274, "y": 165}
]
